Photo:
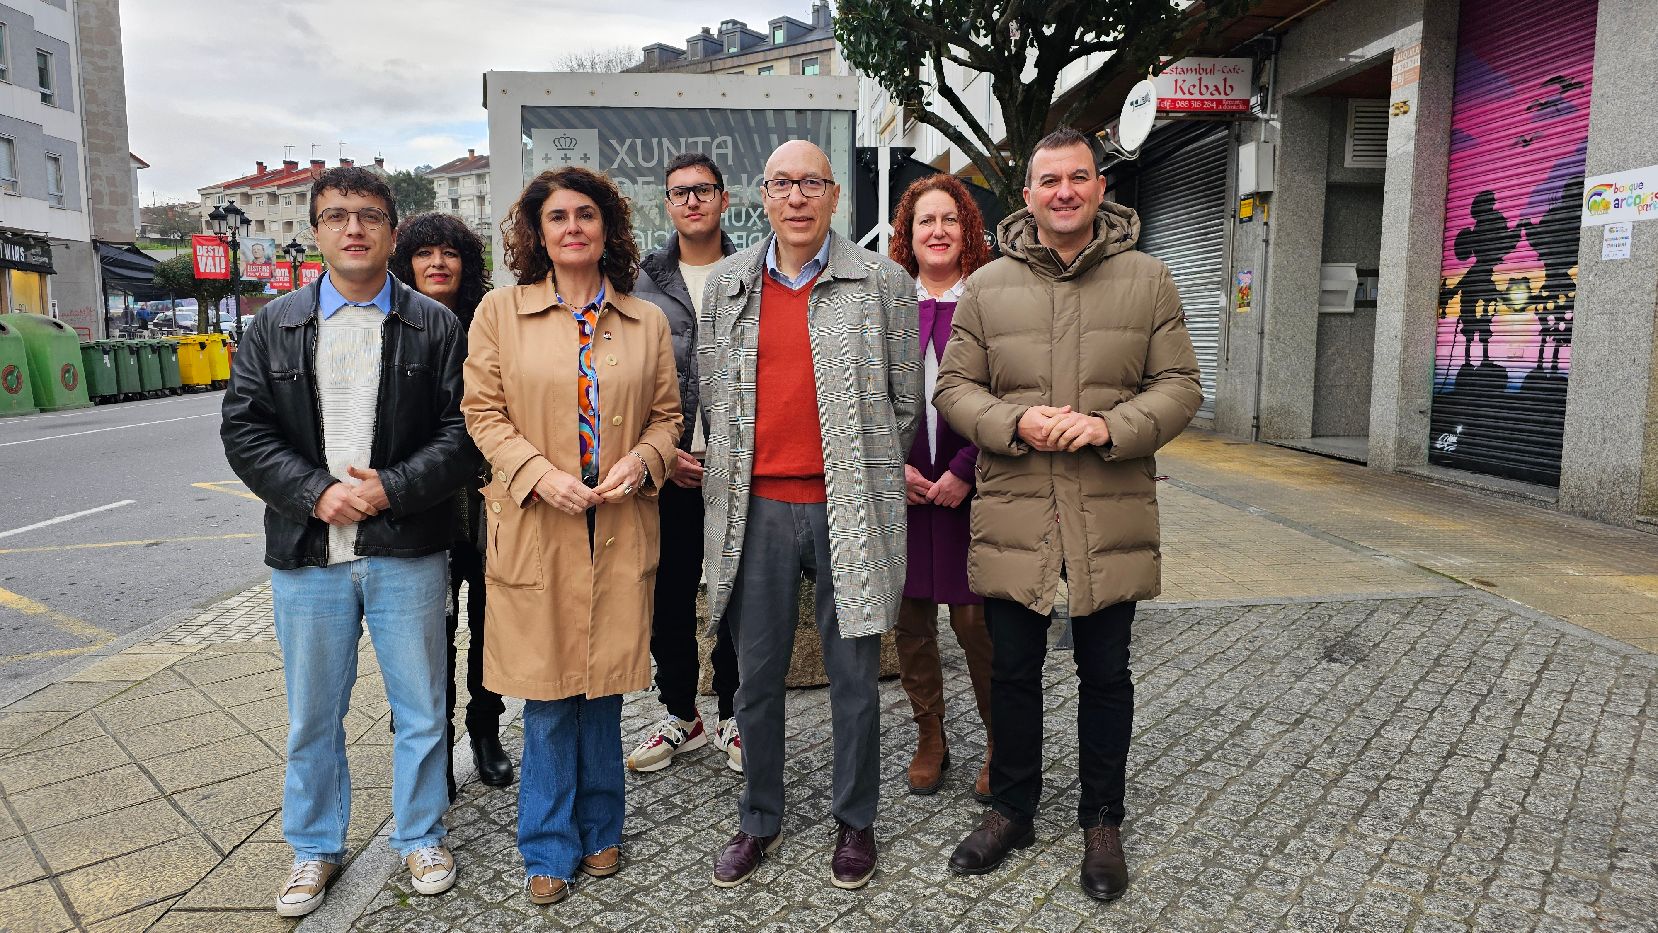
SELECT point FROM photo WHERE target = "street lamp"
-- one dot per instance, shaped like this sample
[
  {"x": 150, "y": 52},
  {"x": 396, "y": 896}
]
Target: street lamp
[
  {"x": 229, "y": 221},
  {"x": 296, "y": 257}
]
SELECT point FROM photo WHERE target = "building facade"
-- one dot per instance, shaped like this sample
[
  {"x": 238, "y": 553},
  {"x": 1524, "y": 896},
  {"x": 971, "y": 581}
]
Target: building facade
[
  {"x": 461, "y": 187},
  {"x": 65, "y": 169},
  {"x": 276, "y": 199},
  {"x": 787, "y": 47}
]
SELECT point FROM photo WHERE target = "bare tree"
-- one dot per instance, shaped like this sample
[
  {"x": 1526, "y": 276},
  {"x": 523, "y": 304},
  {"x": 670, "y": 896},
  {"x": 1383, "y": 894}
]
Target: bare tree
[{"x": 599, "y": 61}]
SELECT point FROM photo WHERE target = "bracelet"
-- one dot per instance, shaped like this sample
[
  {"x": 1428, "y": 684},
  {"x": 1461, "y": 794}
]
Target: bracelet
[{"x": 647, "y": 481}]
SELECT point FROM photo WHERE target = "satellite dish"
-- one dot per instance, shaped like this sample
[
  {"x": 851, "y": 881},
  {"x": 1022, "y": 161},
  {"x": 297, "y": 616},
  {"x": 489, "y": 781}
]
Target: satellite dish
[{"x": 1139, "y": 113}]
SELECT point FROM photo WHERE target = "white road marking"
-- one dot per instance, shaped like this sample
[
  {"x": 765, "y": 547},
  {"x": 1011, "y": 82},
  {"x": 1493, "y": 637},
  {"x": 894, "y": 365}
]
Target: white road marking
[
  {"x": 67, "y": 518},
  {"x": 118, "y": 427},
  {"x": 125, "y": 407}
]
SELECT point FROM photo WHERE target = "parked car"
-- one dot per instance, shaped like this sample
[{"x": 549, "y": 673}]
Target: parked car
[{"x": 180, "y": 320}]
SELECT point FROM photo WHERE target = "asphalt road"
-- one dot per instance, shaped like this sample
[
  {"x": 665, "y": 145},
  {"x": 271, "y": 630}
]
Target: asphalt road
[{"x": 167, "y": 529}]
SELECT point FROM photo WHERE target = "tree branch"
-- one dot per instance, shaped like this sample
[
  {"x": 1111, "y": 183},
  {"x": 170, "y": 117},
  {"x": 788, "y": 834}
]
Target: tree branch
[
  {"x": 990, "y": 167},
  {"x": 943, "y": 89},
  {"x": 982, "y": 60}
]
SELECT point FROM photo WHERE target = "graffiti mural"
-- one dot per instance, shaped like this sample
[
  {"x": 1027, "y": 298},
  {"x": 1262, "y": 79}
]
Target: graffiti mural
[{"x": 1520, "y": 126}]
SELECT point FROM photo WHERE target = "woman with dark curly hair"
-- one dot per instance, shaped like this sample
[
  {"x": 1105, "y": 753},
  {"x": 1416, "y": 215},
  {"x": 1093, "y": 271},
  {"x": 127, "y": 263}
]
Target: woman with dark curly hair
[
  {"x": 938, "y": 235},
  {"x": 572, "y": 395},
  {"x": 440, "y": 257}
]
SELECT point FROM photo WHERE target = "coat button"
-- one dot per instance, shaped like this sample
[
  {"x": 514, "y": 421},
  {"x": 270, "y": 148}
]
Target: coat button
[
  {"x": 495, "y": 507},
  {"x": 609, "y": 541},
  {"x": 616, "y": 420},
  {"x": 611, "y": 359},
  {"x": 501, "y": 475}
]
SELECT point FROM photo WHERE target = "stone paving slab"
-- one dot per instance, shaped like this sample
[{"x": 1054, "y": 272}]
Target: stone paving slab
[{"x": 1436, "y": 763}]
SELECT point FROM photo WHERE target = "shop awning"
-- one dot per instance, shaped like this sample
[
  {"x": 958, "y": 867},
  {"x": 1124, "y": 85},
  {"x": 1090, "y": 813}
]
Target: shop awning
[{"x": 129, "y": 269}]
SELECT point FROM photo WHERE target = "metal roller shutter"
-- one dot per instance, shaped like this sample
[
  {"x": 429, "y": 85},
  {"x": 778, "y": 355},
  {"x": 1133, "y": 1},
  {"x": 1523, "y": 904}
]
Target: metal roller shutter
[
  {"x": 1181, "y": 199},
  {"x": 1520, "y": 125}
]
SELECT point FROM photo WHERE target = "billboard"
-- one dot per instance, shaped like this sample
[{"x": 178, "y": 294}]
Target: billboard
[
  {"x": 631, "y": 126},
  {"x": 210, "y": 257}
]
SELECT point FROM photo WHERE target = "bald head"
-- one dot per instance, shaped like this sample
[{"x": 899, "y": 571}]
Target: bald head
[{"x": 798, "y": 158}]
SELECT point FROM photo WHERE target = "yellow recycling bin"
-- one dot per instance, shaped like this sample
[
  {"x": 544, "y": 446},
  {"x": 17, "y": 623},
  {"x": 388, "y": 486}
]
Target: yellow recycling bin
[
  {"x": 218, "y": 359},
  {"x": 194, "y": 370}
]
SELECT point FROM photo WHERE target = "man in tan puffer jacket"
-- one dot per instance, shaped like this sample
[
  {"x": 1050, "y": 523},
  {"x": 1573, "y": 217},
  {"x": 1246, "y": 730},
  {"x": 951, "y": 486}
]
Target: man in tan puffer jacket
[{"x": 1069, "y": 365}]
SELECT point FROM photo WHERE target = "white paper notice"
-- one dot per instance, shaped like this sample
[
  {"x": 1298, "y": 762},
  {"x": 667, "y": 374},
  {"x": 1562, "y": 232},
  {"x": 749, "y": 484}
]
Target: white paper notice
[{"x": 1614, "y": 242}]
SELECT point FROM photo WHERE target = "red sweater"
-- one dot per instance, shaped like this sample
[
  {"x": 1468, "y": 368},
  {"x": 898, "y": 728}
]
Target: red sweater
[{"x": 788, "y": 440}]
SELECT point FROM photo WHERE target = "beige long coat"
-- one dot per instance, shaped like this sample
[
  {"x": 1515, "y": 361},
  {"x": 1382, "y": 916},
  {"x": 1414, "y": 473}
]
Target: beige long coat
[
  {"x": 1104, "y": 335},
  {"x": 561, "y": 620}
]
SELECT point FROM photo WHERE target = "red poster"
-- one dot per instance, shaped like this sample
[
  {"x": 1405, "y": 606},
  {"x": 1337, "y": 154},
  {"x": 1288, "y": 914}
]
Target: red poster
[
  {"x": 282, "y": 278},
  {"x": 210, "y": 256},
  {"x": 309, "y": 272}
]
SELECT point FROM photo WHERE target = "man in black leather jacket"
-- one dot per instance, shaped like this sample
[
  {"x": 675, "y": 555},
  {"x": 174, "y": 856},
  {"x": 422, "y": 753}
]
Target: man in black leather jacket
[{"x": 343, "y": 415}]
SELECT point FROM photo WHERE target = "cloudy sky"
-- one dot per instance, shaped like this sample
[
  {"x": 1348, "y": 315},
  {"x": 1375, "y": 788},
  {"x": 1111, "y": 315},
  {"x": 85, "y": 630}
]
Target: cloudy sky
[{"x": 399, "y": 78}]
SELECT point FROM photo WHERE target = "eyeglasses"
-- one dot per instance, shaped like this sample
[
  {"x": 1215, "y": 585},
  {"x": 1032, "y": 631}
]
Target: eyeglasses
[
  {"x": 779, "y": 188},
  {"x": 336, "y": 218},
  {"x": 681, "y": 196}
]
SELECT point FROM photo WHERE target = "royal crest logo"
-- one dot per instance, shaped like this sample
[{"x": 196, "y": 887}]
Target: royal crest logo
[{"x": 557, "y": 148}]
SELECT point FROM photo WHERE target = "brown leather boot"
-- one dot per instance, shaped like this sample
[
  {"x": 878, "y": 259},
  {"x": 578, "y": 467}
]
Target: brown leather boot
[
  {"x": 931, "y": 756},
  {"x": 974, "y": 637},
  {"x": 1104, "y": 868}
]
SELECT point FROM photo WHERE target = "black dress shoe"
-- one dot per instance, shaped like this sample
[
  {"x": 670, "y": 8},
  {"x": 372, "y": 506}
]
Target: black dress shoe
[
  {"x": 986, "y": 847},
  {"x": 494, "y": 767},
  {"x": 1104, "y": 869}
]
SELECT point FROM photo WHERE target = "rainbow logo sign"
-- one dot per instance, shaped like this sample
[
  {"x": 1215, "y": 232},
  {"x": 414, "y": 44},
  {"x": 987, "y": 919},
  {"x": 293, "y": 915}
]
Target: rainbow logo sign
[{"x": 1600, "y": 199}]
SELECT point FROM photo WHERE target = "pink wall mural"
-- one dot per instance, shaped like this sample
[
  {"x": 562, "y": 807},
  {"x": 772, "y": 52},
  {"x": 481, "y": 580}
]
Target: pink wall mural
[{"x": 1520, "y": 127}]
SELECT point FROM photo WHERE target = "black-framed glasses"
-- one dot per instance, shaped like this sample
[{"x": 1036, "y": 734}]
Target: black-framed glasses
[
  {"x": 779, "y": 188},
  {"x": 681, "y": 195},
  {"x": 336, "y": 218}
]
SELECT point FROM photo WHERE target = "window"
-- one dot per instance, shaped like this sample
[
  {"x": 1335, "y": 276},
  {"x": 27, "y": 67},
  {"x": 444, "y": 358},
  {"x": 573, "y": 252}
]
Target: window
[
  {"x": 454, "y": 204},
  {"x": 43, "y": 63},
  {"x": 300, "y": 198},
  {"x": 8, "y": 164},
  {"x": 259, "y": 201},
  {"x": 287, "y": 199},
  {"x": 763, "y": 70},
  {"x": 54, "y": 179},
  {"x": 777, "y": 36},
  {"x": 809, "y": 66},
  {"x": 3, "y": 52}
]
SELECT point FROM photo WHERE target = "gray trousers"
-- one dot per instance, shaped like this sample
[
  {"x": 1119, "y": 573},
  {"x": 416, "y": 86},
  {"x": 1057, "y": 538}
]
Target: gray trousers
[{"x": 782, "y": 541}]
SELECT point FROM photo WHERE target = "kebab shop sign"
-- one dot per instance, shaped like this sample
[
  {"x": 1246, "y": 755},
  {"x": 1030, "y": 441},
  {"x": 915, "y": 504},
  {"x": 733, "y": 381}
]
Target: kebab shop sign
[{"x": 1205, "y": 85}]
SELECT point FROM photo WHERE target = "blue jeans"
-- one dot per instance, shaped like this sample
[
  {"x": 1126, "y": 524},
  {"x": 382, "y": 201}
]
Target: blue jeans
[
  {"x": 570, "y": 790},
  {"x": 320, "y": 615}
]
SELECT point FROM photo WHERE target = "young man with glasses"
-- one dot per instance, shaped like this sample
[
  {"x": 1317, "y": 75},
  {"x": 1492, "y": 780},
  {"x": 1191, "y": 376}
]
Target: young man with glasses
[
  {"x": 810, "y": 376},
  {"x": 673, "y": 278},
  {"x": 343, "y": 415}
]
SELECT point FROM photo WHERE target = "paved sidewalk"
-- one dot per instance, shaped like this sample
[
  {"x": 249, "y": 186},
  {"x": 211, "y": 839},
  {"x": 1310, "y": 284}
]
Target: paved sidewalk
[{"x": 1334, "y": 733}]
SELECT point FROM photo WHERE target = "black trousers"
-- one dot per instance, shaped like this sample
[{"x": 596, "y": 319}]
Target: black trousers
[
  {"x": 1105, "y": 709},
  {"x": 484, "y": 708},
  {"x": 674, "y": 621}
]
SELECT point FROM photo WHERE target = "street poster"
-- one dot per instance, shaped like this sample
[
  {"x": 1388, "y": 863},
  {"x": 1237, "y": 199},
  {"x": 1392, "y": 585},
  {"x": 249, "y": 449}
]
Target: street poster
[
  {"x": 210, "y": 257},
  {"x": 309, "y": 272},
  {"x": 282, "y": 277},
  {"x": 258, "y": 258}
]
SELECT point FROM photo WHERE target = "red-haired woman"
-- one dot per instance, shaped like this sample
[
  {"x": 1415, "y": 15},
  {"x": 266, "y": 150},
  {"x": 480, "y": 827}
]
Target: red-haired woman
[{"x": 938, "y": 235}]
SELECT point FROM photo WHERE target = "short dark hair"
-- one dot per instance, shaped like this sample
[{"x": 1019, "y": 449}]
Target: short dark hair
[
  {"x": 1062, "y": 137},
  {"x": 435, "y": 229},
  {"x": 352, "y": 179},
  {"x": 521, "y": 231},
  {"x": 694, "y": 160}
]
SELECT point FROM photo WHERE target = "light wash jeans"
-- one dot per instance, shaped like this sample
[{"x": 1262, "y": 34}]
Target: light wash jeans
[
  {"x": 320, "y": 616},
  {"x": 571, "y": 784}
]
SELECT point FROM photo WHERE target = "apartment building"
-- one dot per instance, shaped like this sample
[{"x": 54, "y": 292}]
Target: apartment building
[
  {"x": 276, "y": 199},
  {"x": 787, "y": 47},
  {"x": 461, "y": 187}
]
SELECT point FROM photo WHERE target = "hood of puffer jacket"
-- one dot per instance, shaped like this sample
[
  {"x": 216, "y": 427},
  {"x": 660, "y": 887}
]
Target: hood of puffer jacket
[{"x": 1116, "y": 229}]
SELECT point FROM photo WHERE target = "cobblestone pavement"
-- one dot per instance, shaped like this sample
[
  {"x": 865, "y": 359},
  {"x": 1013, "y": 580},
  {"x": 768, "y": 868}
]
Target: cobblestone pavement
[{"x": 1432, "y": 764}]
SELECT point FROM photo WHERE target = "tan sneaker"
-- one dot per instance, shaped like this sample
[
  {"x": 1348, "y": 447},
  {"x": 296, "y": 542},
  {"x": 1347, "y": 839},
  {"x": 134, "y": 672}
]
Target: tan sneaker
[
  {"x": 728, "y": 738},
  {"x": 431, "y": 869},
  {"x": 672, "y": 736},
  {"x": 603, "y": 863},
  {"x": 545, "y": 890},
  {"x": 307, "y": 886}
]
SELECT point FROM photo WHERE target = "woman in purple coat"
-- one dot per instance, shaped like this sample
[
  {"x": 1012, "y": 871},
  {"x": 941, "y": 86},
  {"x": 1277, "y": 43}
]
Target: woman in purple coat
[{"x": 938, "y": 235}]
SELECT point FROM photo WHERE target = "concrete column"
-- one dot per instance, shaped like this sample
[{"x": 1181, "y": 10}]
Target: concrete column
[
  {"x": 1610, "y": 398},
  {"x": 1296, "y": 233},
  {"x": 1413, "y": 231},
  {"x": 1239, "y": 372}
]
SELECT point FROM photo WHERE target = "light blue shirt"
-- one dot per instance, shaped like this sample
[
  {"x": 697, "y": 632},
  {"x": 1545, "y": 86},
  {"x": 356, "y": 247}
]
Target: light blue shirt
[
  {"x": 807, "y": 272},
  {"x": 330, "y": 299}
]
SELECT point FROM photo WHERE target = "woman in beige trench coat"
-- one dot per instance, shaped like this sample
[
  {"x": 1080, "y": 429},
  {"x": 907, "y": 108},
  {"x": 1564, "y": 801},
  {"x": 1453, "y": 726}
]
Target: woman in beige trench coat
[{"x": 572, "y": 396}]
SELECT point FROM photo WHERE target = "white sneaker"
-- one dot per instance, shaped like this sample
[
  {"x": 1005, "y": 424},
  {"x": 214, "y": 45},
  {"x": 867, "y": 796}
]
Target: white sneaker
[
  {"x": 307, "y": 886},
  {"x": 431, "y": 869},
  {"x": 673, "y": 735},
  {"x": 728, "y": 738}
]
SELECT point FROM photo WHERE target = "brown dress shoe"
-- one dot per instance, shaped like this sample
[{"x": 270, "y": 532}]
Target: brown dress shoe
[
  {"x": 1104, "y": 869},
  {"x": 854, "y": 860},
  {"x": 741, "y": 856},
  {"x": 603, "y": 863},
  {"x": 931, "y": 756},
  {"x": 981, "y": 787},
  {"x": 545, "y": 890},
  {"x": 986, "y": 847}
]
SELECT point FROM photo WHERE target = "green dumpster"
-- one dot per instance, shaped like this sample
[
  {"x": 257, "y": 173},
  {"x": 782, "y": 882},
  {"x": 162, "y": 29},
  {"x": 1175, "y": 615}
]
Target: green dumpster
[
  {"x": 98, "y": 362},
  {"x": 171, "y": 380},
  {"x": 54, "y": 362},
  {"x": 17, "y": 397},
  {"x": 128, "y": 383},
  {"x": 149, "y": 368}
]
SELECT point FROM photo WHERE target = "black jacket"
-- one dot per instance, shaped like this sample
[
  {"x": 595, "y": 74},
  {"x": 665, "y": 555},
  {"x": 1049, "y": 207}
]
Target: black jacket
[
  {"x": 661, "y": 283},
  {"x": 272, "y": 428}
]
